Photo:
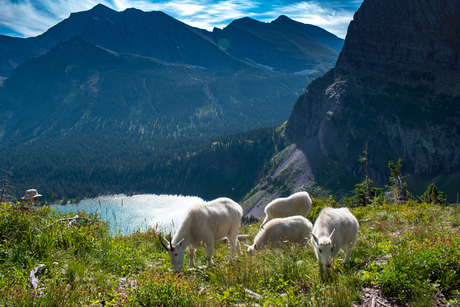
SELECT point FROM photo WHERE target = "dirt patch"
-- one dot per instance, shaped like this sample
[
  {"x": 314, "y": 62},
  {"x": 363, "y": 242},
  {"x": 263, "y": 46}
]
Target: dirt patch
[{"x": 374, "y": 297}]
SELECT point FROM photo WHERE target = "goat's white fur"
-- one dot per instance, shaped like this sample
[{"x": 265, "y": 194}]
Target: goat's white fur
[
  {"x": 296, "y": 204},
  {"x": 204, "y": 224},
  {"x": 334, "y": 229},
  {"x": 293, "y": 228}
]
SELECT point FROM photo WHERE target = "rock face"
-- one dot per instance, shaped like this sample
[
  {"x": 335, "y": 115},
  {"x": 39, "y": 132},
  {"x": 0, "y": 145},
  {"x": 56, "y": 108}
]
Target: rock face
[
  {"x": 395, "y": 87},
  {"x": 417, "y": 41}
]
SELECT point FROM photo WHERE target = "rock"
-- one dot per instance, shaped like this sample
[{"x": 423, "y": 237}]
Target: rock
[
  {"x": 394, "y": 88},
  {"x": 35, "y": 274}
]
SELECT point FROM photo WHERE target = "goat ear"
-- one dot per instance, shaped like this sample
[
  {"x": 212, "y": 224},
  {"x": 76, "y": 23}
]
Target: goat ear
[
  {"x": 180, "y": 243},
  {"x": 162, "y": 241},
  {"x": 315, "y": 238},
  {"x": 330, "y": 236}
]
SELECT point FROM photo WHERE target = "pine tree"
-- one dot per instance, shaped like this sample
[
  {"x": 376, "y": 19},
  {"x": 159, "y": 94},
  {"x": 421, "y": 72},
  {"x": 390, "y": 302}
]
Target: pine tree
[
  {"x": 364, "y": 159},
  {"x": 433, "y": 195},
  {"x": 399, "y": 187}
]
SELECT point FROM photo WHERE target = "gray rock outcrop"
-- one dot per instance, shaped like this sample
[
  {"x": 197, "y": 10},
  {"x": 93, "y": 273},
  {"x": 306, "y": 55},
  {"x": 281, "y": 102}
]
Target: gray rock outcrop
[{"x": 395, "y": 87}]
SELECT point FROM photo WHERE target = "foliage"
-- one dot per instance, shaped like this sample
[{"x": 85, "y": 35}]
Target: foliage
[
  {"x": 5, "y": 194},
  {"x": 409, "y": 252},
  {"x": 432, "y": 195},
  {"x": 317, "y": 204},
  {"x": 361, "y": 194},
  {"x": 426, "y": 257},
  {"x": 364, "y": 159},
  {"x": 395, "y": 170},
  {"x": 227, "y": 166},
  {"x": 399, "y": 187}
]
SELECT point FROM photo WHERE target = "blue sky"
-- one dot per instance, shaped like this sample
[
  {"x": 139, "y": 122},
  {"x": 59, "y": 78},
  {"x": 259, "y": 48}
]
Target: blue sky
[{"x": 26, "y": 18}]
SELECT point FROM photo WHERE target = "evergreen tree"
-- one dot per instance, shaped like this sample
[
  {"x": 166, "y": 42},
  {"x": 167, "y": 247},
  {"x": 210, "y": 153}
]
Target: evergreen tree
[
  {"x": 361, "y": 194},
  {"x": 364, "y": 193},
  {"x": 365, "y": 160},
  {"x": 432, "y": 195},
  {"x": 399, "y": 187}
]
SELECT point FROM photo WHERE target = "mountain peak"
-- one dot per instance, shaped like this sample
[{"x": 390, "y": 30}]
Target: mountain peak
[
  {"x": 282, "y": 18},
  {"x": 246, "y": 22},
  {"x": 100, "y": 8}
]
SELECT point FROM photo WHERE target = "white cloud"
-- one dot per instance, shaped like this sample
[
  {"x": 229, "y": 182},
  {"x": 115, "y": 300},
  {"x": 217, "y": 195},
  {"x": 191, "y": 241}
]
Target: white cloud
[
  {"x": 23, "y": 17},
  {"x": 210, "y": 15},
  {"x": 32, "y": 18},
  {"x": 335, "y": 21}
]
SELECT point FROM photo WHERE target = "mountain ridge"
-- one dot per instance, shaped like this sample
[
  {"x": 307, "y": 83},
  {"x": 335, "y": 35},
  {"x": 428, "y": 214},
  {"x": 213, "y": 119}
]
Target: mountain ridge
[
  {"x": 78, "y": 82},
  {"x": 153, "y": 34}
]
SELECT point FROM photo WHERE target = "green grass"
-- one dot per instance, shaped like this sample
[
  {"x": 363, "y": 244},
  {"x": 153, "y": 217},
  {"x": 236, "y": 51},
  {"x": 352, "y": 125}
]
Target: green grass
[{"x": 409, "y": 252}]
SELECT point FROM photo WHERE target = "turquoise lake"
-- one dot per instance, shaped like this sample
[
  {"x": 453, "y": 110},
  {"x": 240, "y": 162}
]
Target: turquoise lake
[{"x": 128, "y": 214}]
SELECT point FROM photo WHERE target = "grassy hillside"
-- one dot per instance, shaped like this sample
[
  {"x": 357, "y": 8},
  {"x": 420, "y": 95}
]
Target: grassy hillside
[{"x": 405, "y": 255}]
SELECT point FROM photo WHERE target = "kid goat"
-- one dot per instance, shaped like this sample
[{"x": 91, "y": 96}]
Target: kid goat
[
  {"x": 204, "y": 224},
  {"x": 296, "y": 204},
  {"x": 334, "y": 229}
]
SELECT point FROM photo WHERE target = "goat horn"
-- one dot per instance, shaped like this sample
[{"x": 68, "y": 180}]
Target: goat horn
[
  {"x": 163, "y": 243},
  {"x": 315, "y": 238},
  {"x": 170, "y": 244},
  {"x": 330, "y": 236}
]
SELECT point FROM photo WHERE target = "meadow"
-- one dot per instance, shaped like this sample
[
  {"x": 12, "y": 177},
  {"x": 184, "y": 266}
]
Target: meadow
[{"x": 405, "y": 255}]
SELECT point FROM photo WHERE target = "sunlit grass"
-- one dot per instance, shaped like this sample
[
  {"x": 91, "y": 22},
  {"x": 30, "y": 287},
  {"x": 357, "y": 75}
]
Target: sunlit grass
[{"x": 409, "y": 252}]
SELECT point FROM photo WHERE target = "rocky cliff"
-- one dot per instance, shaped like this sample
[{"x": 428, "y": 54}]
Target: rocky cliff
[{"x": 395, "y": 88}]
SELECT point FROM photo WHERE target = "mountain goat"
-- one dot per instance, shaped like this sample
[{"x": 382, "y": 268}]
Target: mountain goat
[
  {"x": 334, "y": 229},
  {"x": 292, "y": 228},
  {"x": 296, "y": 204},
  {"x": 204, "y": 224}
]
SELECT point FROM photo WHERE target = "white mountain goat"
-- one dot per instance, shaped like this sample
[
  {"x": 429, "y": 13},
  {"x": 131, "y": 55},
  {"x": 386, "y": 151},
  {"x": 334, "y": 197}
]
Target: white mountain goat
[
  {"x": 296, "y": 204},
  {"x": 204, "y": 224},
  {"x": 293, "y": 228},
  {"x": 334, "y": 229}
]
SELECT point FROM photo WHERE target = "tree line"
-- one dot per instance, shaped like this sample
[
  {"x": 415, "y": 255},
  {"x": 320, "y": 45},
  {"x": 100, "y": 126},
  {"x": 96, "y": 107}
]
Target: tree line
[{"x": 227, "y": 166}]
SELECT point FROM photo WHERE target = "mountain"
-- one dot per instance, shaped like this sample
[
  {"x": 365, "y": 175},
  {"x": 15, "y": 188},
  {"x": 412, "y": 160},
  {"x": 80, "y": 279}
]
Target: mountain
[
  {"x": 52, "y": 79},
  {"x": 282, "y": 45},
  {"x": 15, "y": 51},
  {"x": 78, "y": 88},
  {"x": 152, "y": 34},
  {"x": 103, "y": 93},
  {"x": 157, "y": 35},
  {"x": 394, "y": 88}
]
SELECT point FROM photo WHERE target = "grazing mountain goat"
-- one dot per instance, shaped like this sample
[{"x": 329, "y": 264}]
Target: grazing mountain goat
[
  {"x": 296, "y": 204},
  {"x": 293, "y": 228},
  {"x": 334, "y": 229},
  {"x": 204, "y": 224}
]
